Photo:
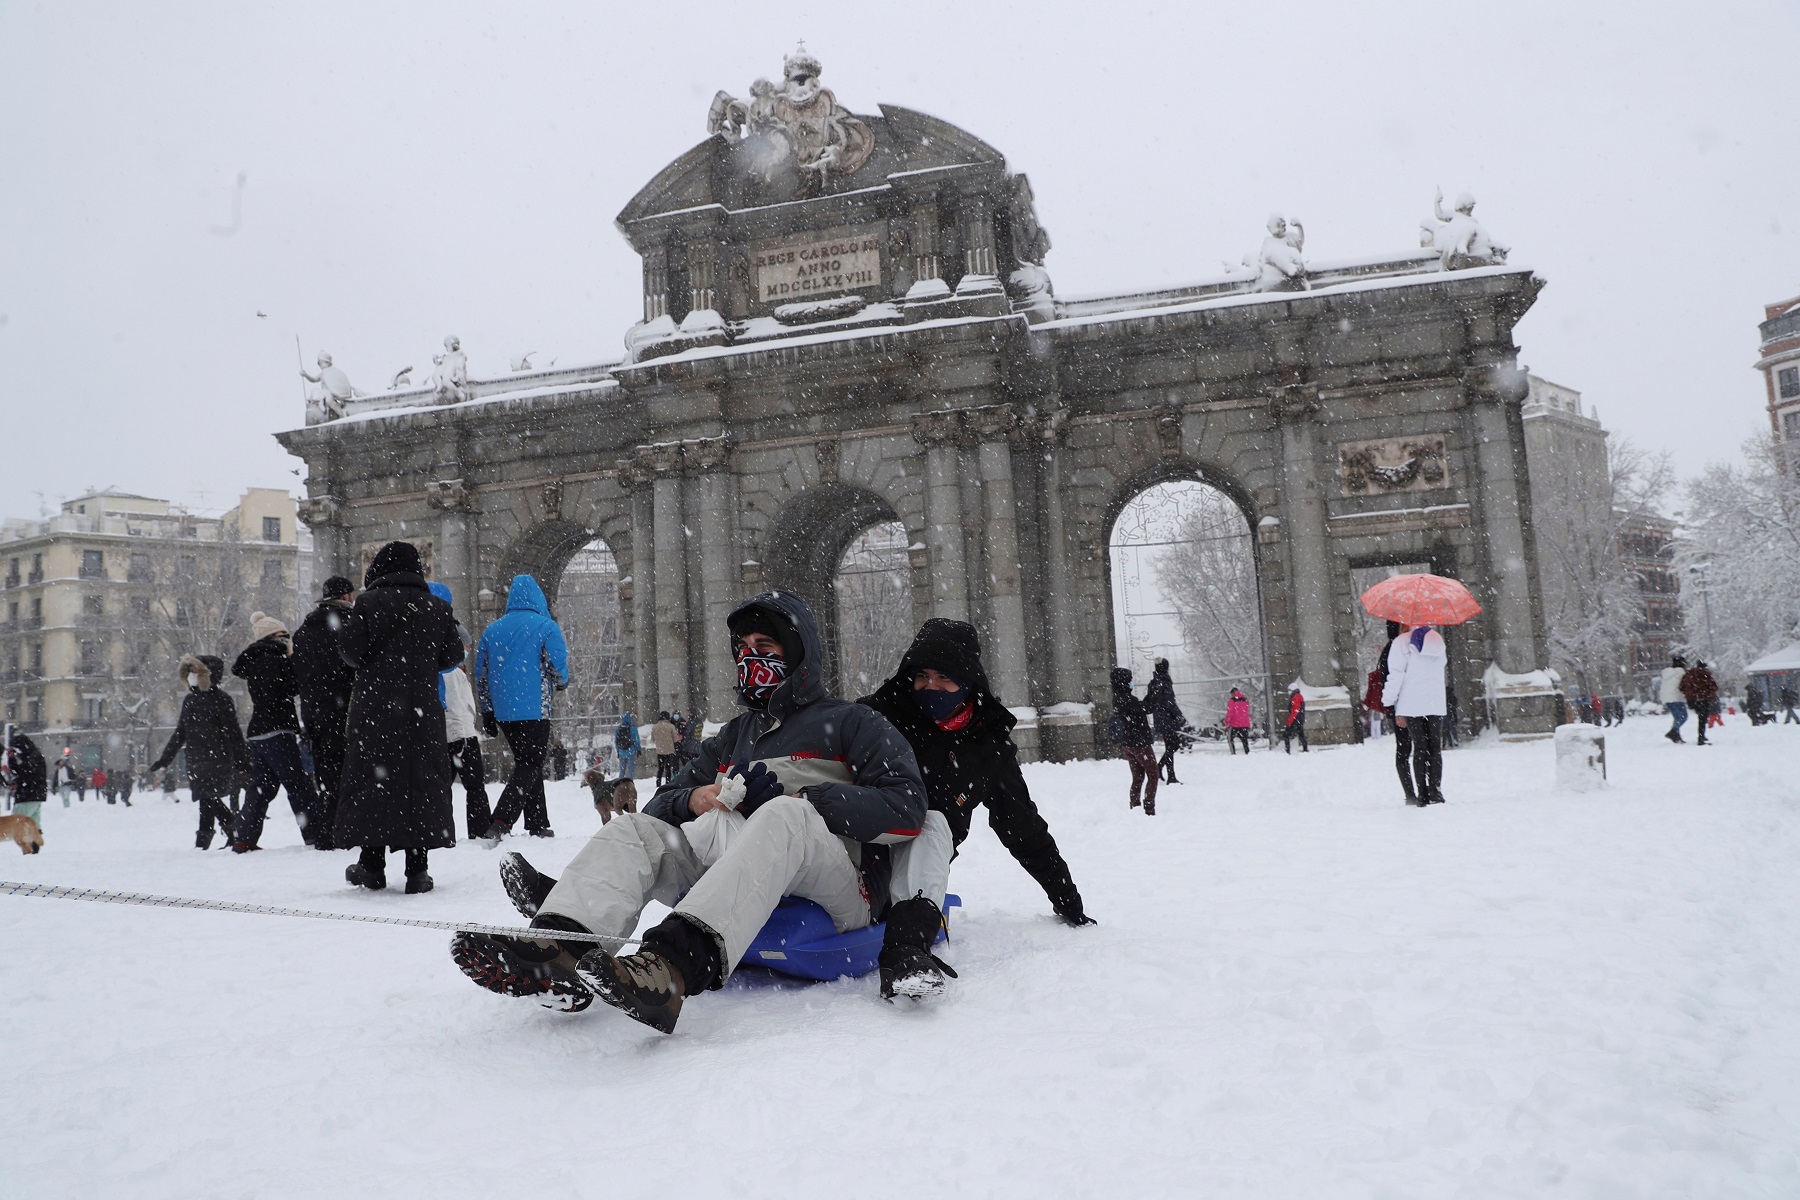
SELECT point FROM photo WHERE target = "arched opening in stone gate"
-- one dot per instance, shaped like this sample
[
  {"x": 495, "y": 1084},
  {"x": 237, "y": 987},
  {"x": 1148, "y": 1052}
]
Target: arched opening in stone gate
[
  {"x": 587, "y": 607},
  {"x": 844, "y": 551},
  {"x": 1182, "y": 561}
]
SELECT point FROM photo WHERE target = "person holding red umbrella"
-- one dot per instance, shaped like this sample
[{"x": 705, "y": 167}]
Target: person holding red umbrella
[{"x": 1414, "y": 690}]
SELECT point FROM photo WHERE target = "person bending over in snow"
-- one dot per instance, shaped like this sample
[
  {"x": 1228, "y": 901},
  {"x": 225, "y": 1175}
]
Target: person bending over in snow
[
  {"x": 801, "y": 795},
  {"x": 942, "y": 704},
  {"x": 217, "y": 755}
]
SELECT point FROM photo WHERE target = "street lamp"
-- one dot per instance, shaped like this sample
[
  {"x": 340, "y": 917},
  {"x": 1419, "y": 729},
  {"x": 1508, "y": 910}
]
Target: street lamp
[{"x": 1706, "y": 603}]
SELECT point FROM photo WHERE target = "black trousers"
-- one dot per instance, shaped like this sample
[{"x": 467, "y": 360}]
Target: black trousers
[
  {"x": 1235, "y": 734},
  {"x": 529, "y": 741},
  {"x": 1426, "y": 738},
  {"x": 1166, "y": 764},
  {"x": 277, "y": 767},
  {"x": 665, "y": 768},
  {"x": 1290, "y": 732},
  {"x": 326, "y": 741},
  {"x": 212, "y": 808},
  {"x": 1403, "y": 755},
  {"x": 465, "y": 764}
]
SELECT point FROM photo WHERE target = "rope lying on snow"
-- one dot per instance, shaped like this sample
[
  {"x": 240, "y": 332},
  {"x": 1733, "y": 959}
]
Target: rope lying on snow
[{"x": 50, "y": 891}]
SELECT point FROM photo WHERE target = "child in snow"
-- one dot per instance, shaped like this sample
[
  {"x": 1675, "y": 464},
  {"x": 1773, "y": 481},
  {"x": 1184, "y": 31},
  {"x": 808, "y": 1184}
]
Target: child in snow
[
  {"x": 1237, "y": 721},
  {"x": 217, "y": 754}
]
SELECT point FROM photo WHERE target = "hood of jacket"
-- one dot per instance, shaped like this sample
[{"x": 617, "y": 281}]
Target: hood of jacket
[
  {"x": 441, "y": 591},
  {"x": 806, "y": 680},
  {"x": 1121, "y": 679},
  {"x": 952, "y": 647},
  {"x": 525, "y": 596},
  {"x": 196, "y": 665}
]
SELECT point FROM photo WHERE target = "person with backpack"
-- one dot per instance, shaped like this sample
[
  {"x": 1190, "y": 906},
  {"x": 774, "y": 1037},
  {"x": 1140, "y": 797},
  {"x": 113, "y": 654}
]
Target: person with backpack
[
  {"x": 1701, "y": 691},
  {"x": 1237, "y": 720},
  {"x": 208, "y": 734},
  {"x": 627, "y": 744},
  {"x": 1167, "y": 719},
  {"x": 521, "y": 663},
  {"x": 1296, "y": 722},
  {"x": 1130, "y": 730}
]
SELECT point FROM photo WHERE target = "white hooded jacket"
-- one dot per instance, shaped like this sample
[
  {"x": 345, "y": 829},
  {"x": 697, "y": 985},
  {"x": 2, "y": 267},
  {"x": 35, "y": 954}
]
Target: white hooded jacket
[
  {"x": 1671, "y": 686},
  {"x": 459, "y": 706},
  {"x": 1415, "y": 682}
]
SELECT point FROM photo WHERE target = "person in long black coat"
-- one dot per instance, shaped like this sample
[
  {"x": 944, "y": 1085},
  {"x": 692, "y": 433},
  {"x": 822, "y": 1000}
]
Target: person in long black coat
[
  {"x": 395, "y": 790},
  {"x": 218, "y": 757},
  {"x": 326, "y": 682}
]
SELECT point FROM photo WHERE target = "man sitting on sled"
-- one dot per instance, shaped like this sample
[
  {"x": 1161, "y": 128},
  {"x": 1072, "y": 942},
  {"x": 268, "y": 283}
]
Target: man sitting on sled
[{"x": 801, "y": 796}]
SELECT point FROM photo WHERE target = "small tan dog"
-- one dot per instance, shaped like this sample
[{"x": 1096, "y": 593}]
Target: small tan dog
[{"x": 23, "y": 830}]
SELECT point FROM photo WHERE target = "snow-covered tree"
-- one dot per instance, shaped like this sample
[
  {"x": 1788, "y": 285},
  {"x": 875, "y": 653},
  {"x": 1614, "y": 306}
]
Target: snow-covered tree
[
  {"x": 1209, "y": 575},
  {"x": 1739, "y": 556}
]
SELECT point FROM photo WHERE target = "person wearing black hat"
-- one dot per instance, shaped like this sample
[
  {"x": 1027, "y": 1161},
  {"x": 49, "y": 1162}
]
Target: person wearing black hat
[
  {"x": 325, "y": 681},
  {"x": 1130, "y": 728},
  {"x": 801, "y": 795},
  {"x": 395, "y": 789},
  {"x": 942, "y": 704}
]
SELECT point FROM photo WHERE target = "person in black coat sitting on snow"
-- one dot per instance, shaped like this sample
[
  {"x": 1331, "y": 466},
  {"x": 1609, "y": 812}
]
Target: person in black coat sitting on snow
[
  {"x": 942, "y": 704},
  {"x": 217, "y": 755},
  {"x": 395, "y": 791}
]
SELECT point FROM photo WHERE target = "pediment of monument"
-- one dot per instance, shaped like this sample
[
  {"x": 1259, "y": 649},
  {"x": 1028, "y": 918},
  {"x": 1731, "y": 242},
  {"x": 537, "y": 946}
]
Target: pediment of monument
[{"x": 910, "y": 150}]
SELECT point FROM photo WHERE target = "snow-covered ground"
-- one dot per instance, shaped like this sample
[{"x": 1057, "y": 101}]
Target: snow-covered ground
[{"x": 1298, "y": 988}]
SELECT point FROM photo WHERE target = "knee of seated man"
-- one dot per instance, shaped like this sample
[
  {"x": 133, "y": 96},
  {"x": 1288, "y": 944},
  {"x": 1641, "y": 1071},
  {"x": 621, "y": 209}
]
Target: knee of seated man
[{"x": 788, "y": 809}]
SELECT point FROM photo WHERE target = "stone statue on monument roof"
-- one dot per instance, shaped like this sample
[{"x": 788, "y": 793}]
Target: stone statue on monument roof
[
  {"x": 1458, "y": 237},
  {"x": 452, "y": 376},
  {"x": 334, "y": 390},
  {"x": 798, "y": 124},
  {"x": 1279, "y": 266}
]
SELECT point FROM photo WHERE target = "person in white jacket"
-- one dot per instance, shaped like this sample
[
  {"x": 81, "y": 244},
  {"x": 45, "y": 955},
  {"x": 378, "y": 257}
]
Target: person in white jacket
[
  {"x": 465, "y": 748},
  {"x": 1414, "y": 693},
  {"x": 1673, "y": 700}
]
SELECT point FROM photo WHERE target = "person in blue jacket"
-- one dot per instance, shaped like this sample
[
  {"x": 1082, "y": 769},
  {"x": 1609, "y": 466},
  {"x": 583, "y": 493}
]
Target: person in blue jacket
[
  {"x": 627, "y": 742},
  {"x": 520, "y": 663}
]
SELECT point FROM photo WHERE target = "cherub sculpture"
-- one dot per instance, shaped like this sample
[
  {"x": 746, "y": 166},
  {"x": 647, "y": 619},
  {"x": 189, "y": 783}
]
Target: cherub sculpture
[
  {"x": 452, "y": 379},
  {"x": 800, "y": 122},
  {"x": 1458, "y": 237},
  {"x": 1279, "y": 266}
]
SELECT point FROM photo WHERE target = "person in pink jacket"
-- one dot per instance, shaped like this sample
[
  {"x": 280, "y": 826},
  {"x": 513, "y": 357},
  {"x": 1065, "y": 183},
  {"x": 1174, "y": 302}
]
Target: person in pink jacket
[{"x": 1237, "y": 721}]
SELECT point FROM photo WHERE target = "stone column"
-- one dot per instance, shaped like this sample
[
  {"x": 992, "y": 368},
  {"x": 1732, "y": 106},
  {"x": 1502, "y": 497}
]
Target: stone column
[
  {"x": 926, "y": 265},
  {"x": 324, "y": 515},
  {"x": 656, "y": 283},
  {"x": 977, "y": 224},
  {"x": 455, "y": 561},
  {"x": 669, "y": 576},
  {"x": 995, "y": 428},
  {"x": 1060, "y": 572},
  {"x": 703, "y": 273},
  {"x": 634, "y": 477},
  {"x": 710, "y": 459},
  {"x": 939, "y": 432},
  {"x": 1309, "y": 562},
  {"x": 1500, "y": 480}
]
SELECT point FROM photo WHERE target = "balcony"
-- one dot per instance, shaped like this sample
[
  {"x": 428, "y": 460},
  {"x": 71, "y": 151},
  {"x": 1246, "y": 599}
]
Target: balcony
[
  {"x": 92, "y": 572},
  {"x": 35, "y": 577},
  {"x": 13, "y": 580}
]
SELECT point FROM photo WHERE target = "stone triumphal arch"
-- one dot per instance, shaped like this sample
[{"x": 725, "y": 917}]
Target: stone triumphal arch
[{"x": 848, "y": 321}]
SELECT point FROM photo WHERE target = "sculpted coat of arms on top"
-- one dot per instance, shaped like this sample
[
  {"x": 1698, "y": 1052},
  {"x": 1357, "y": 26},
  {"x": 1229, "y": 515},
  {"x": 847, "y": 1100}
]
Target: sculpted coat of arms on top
[{"x": 798, "y": 125}]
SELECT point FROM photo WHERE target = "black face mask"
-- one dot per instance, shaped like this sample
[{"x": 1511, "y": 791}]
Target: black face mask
[
  {"x": 758, "y": 675},
  {"x": 939, "y": 706}
]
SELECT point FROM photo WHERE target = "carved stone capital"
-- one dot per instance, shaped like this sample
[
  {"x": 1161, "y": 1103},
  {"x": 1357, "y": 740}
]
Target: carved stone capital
[
  {"x": 706, "y": 454},
  {"x": 991, "y": 422},
  {"x": 450, "y": 495},
  {"x": 1294, "y": 402},
  {"x": 662, "y": 460},
  {"x": 938, "y": 428},
  {"x": 318, "y": 511},
  {"x": 631, "y": 474},
  {"x": 826, "y": 448}
]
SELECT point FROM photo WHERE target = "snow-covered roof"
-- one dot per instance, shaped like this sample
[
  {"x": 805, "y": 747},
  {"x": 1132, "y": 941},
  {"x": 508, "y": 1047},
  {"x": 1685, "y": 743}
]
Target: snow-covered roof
[{"x": 1785, "y": 659}]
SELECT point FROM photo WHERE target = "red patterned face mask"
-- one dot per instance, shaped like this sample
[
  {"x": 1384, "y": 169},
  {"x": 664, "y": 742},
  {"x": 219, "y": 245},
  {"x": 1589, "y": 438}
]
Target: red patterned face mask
[{"x": 758, "y": 675}]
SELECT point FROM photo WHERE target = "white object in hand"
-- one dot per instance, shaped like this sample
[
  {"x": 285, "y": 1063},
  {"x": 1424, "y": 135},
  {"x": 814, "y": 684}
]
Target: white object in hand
[{"x": 731, "y": 791}]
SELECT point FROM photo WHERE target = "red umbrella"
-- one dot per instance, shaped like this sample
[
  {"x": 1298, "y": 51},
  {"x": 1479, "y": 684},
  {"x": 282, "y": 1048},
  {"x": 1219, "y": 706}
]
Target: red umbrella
[{"x": 1420, "y": 600}]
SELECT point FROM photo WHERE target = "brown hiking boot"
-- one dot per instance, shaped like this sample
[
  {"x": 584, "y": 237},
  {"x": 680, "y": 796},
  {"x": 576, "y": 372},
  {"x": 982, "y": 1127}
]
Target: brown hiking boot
[{"x": 644, "y": 986}]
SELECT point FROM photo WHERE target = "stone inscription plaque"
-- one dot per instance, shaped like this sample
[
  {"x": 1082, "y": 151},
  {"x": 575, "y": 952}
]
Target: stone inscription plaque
[
  {"x": 823, "y": 264},
  {"x": 1406, "y": 464}
]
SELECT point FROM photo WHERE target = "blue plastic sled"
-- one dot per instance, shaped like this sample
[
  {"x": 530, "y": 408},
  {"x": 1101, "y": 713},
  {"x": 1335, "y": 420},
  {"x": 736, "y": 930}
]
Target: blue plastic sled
[{"x": 800, "y": 940}]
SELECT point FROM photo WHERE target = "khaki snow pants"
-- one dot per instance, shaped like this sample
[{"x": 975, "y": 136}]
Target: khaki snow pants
[
  {"x": 728, "y": 886},
  {"x": 922, "y": 866}
]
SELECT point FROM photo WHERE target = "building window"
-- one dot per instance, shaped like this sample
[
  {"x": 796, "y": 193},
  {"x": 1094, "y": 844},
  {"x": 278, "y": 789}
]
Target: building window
[
  {"x": 37, "y": 609},
  {"x": 187, "y": 565},
  {"x": 139, "y": 571},
  {"x": 36, "y": 712},
  {"x": 140, "y": 607},
  {"x": 271, "y": 529},
  {"x": 37, "y": 569},
  {"x": 12, "y": 573},
  {"x": 182, "y": 616},
  {"x": 96, "y": 710},
  {"x": 91, "y": 660},
  {"x": 93, "y": 606},
  {"x": 271, "y": 573},
  {"x": 1787, "y": 382},
  {"x": 1790, "y": 425},
  {"x": 93, "y": 564}
]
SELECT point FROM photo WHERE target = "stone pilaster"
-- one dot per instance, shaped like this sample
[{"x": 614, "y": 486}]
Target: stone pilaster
[
  {"x": 995, "y": 428},
  {"x": 669, "y": 574},
  {"x": 455, "y": 501},
  {"x": 1309, "y": 551},
  {"x": 940, "y": 433},
  {"x": 703, "y": 275},
  {"x": 926, "y": 265},
  {"x": 976, "y": 221},
  {"x": 634, "y": 476},
  {"x": 656, "y": 285},
  {"x": 333, "y": 553},
  {"x": 709, "y": 459}
]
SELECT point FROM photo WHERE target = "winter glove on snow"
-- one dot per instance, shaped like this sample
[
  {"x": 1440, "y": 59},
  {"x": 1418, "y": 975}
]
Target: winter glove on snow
[
  {"x": 1070, "y": 910},
  {"x": 760, "y": 786}
]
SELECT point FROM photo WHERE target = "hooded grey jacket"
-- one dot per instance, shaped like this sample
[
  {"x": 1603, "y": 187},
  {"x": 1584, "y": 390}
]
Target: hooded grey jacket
[{"x": 854, "y": 766}]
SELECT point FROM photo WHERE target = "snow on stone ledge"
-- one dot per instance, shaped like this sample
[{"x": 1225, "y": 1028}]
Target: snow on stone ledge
[
  {"x": 1532, "y": 683},
  {"x": 1328, "y": 696},
  {"x": 1068, "y": 712}
]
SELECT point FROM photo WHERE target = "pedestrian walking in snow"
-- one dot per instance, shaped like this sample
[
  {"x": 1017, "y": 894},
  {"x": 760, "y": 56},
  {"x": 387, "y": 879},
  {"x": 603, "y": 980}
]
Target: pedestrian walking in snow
[
  {"x": 559, "y": 760},
  {"x": 626, "y": 744},
  {"x": 267, "y": 666},
  {"x": 462, "y": 734},
  {"x": 396, "y": 783},
  {"x": 801, "y": 795},
  {"x": 1372, "y": 692},
  {"x": 99, "y": 781},
  {"x": 207, "y": 733},
  {"x": 1669, "y": 694},
  {"x": 1166, "y": 718},
  {"x": 1130, "y": 729},
  {"x": 663, "y": 736},
  {"x": 1790, "y": 699},
  {"x": 81, "y": 785},
  {"x": 326, "y": 682},
  {"x": 520, "y": 664},
  {"x": 1296, "y": 722},
  {"x": 943, "y": 705},
  {"x": 1237, "y": 721},
  {"x": 62, "y": 778},
  {"x": 1452, "y": 715},
  {"x": 30, "y": 777},
  {"x": 1414, "y": 693},
  {"x": 1701, "y": 691},
  {"x": 687, "y": 747}
]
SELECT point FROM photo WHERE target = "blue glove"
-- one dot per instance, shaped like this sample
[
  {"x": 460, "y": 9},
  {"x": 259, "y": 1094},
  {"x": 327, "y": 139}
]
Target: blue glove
[{"x": 760, "y": 785}]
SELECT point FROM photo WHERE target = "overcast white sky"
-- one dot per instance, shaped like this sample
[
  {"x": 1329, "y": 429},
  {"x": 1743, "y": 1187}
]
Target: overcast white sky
[{"x": 414, "y": 170}]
